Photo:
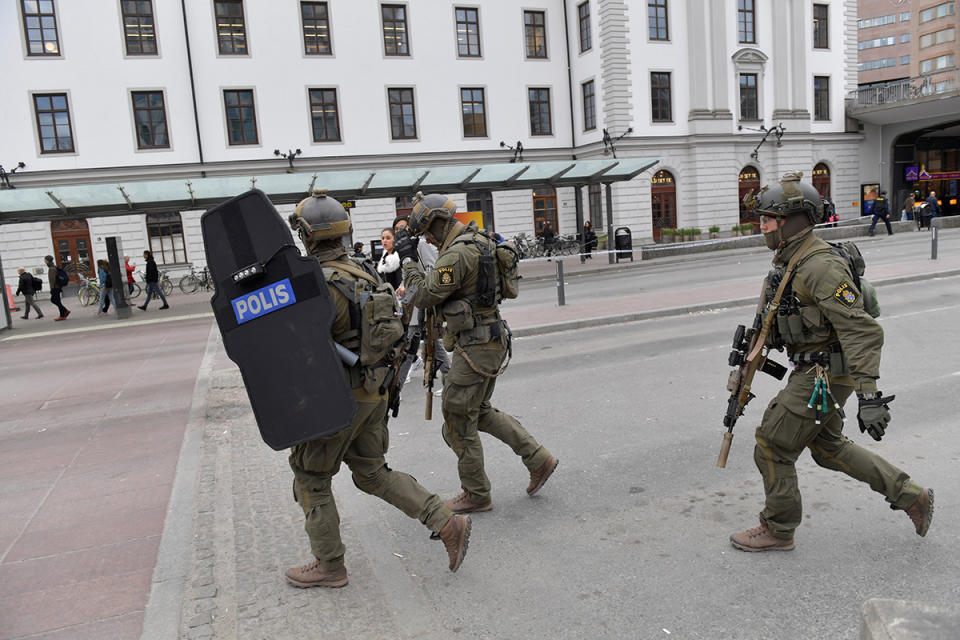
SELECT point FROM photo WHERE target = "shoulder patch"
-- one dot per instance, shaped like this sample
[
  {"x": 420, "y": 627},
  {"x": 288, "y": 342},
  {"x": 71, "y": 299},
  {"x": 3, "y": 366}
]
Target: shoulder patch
[
  {"x": 846, "y": 294},
  {"x": 445, "y": 276}
]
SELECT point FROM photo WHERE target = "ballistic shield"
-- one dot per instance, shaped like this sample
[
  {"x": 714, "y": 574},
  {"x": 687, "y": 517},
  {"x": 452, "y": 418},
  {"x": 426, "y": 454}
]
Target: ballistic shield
[{"x": 275, "y": 312}]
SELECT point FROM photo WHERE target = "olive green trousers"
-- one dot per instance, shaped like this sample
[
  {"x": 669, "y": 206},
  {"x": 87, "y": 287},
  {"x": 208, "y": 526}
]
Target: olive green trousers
[
  {"x": 362, "y": 446},
  {"x": 467, "y": 411},
  {"x": 788, "y": 427}
]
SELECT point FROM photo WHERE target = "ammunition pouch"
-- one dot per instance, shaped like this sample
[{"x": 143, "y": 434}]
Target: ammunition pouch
[{"x": 458, "y": 315}]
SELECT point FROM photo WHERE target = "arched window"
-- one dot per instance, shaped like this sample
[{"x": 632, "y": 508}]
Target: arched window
[
  {"x": 663, "y": 202},
  {"x": 821, "y": 180},
  {"x": 165, "y": 231},
  {"x": 748, "y": 181}
]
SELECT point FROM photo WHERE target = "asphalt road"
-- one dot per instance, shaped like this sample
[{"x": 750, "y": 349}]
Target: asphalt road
[{"x": 629, "y": 539}]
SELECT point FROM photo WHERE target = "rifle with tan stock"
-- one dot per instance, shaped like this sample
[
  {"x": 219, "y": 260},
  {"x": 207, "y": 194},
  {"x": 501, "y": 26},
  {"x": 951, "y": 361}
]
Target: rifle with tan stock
[
  {"x": 429, "y": 357},
  {"x": 750, "y": 353}
]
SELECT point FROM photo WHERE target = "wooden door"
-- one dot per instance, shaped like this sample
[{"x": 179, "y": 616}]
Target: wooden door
[
  {"x": 663, "y": 203},
  {"x": 71, "y": 242},
  {"x": 545, "y": 209}
]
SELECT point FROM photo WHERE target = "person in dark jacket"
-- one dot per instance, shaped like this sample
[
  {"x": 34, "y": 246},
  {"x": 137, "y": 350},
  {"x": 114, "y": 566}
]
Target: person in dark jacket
[
  {"x": 106, "y": 287},
  {"x": 880, "y": 212},
  {"x": 55, "y": 288},
  {"x": 25, "y": 287},
  {"x": 152, "y": 279},
  {"x": 589, "y": 239},
  {"x": 549, "y": 238}
]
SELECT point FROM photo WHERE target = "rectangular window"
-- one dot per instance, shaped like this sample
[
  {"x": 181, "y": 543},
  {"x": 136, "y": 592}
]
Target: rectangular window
[
  {"x": 749, "y": 109},
  {"x": 468, "y": 32},
  {"x": 868, "y": 23},
  {"x": 324, "y": 115},
  {"x": 241, "y": 116},
  {"x": 660, "y": 110},
  {"x": 165, "y": 231},
  {"x": 40, "y": 27},
  {"x": 904, "y": 37},
  {"x": 745, "y": 21},
  {"x": 474, "y": 113},
  {"x": 939, "y": 11},
  {"x": 589, "y": 106},
  {"x": 657, "y": 20},
  {"x": 403, "y": 117},
  {"x": 821, "y": 38},
  {"x": 139, "y": 32},
  {"x": 583, "y": 14},
  {"x": 821, "y": 97},
  {"x": 905, "y": 16},
  {"x": 231, "y": 29},
  {"x": 316, "y": 28},
  {"x": 877, "y": 64},
  {"x": 535, "y": 33},
  {"x": 877, "y": 42},
  {"x": 395, "y": 41},
  {"x": 539, "y": 100},
  {"x": 595, "y": 205},
  {"x": 937, "y": 37},
  {"x": 482, "y": 201},
  {"x": 53, "y": 122},
  {"x": 935, "y": 64},
  {"x": 150, "y": 120},
  {"x": 905, "y": 59}
]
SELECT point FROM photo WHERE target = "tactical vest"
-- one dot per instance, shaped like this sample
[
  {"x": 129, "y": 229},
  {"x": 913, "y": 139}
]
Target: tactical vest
[
  {"x": 376, "y": 332},
  {"x": 472, "y": 313}
]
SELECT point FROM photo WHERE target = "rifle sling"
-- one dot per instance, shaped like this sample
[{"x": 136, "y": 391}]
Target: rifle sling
[{"x": 775, "y": 303}]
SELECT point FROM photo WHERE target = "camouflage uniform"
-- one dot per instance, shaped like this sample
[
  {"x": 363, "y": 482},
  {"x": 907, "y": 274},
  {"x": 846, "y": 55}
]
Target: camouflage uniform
[{"x": 466, "y": 393}]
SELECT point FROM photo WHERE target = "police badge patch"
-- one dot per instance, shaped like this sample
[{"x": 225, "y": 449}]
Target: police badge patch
[
  {"x": 445, "y": 276},
  {"x": 846, "y": 294}
]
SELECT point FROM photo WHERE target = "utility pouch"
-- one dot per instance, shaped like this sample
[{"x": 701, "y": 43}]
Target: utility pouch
[
  {"x": 373, "y": 378},
  {"x": 838, "y": 363},
  {"x": 783, "y": 327},
  {"x": 478, "y": 335},
  {"x": 486, "y": 278},
  {"x": 796, "y": 327},
  {"x": 459, "y": 316}
]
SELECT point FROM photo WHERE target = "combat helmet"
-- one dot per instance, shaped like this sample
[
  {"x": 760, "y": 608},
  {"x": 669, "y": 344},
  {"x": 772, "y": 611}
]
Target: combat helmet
[
  {"x": 789, "y": 197},
  {"x": 319, "y": 217},
  {"x": 428, "y": 209}
]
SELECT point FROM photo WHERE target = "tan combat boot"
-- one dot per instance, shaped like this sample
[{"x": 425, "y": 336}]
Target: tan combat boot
[
  {"x": 314, "y": 575},
  {"x": 921, "y": 512},
  {"x": 463, "y": 504},
  {"x": 760, "y": 539},
  {"x": 456, "y": 537},
  {"x": 539, "y": 477}
]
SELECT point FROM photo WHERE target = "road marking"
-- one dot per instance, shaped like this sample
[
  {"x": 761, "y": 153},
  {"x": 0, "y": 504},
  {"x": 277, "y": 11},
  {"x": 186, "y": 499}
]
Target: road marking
[{"x": 135, "y": 323}]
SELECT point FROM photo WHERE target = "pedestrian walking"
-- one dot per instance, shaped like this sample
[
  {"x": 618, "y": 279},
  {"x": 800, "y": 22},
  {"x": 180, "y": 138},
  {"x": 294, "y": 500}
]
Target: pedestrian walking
[
  {"x": 881, "y": 211},
  {"x": 467, "y": 297},
  {"x": 129, "y": 267},
  {"x": 26, "y": 286},
  {"x": 152, "y": 278},
  {"x": 321, "y": 223},
  {"x": 106, "y": 287},
  {"x": 835, "y": 345},
  {"x": 58, "y": 279}
]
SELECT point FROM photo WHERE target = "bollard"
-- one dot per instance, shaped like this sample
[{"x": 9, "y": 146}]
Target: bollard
[
  {"x": 560, "y": 297},
  {"x": 933, "y": 242}
]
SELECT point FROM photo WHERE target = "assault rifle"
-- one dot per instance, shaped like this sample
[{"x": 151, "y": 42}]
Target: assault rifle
[
  {"x": 431, "y": 330},
  {"x": 748, "y": 356}
]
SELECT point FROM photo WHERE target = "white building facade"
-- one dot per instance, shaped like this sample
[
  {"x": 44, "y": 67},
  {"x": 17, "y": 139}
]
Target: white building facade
[{"x": 121, "y": 90}]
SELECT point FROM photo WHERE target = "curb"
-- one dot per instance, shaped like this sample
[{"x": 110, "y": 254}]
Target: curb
[{"x": 600, "y": 321}]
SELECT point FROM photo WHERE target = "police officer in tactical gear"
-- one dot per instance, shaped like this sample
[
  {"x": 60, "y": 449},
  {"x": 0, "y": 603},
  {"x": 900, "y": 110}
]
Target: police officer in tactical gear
[
  {"x": 469, "y": 302},
  {"x": 322, "y": 224},
  {"x": 834, "y": 345}
]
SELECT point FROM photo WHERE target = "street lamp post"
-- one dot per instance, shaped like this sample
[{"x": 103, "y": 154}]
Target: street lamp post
[
  {"x": 5, "y": 176},
  {"x": 289, "y": 156}
]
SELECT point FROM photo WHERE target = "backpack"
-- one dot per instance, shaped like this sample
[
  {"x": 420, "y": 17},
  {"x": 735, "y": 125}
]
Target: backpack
[
  {"x": 376, "y": 331},
  {"x": 850, "y": 252},
  {"x": 62, "y": 278},
  {"x": 37, "y": 283},
  {"x": 507, "y": 278}
]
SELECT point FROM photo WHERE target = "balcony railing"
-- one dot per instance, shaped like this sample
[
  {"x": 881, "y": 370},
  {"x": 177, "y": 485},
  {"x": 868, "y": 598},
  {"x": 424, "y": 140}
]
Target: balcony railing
[{"x": 901, "y": 92}]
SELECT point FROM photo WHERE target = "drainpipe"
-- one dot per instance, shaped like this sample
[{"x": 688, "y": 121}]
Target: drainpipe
[
  {"x": 573, "y": 130},
  {"x": 193, "y": 88}
]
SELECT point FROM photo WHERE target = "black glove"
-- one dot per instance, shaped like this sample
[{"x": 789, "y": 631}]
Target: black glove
[
  {"x": 874, "y": 415},
  {"x": 406, "y": 247}
]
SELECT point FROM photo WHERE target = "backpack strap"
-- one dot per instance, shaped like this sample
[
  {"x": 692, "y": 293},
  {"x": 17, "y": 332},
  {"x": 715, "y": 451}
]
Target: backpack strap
[{"x": 351, "y": 337}]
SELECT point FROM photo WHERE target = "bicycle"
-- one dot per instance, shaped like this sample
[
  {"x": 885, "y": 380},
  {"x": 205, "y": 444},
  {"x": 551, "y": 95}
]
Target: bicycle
[
  {"x": 166, "y": 285},
  {"x": 193, "y": 281},
  {"x": 89, "y": 292}
]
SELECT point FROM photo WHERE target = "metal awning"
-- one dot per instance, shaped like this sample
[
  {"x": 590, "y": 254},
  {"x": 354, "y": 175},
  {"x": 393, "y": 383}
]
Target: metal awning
[{"x": 96, "y": 200}]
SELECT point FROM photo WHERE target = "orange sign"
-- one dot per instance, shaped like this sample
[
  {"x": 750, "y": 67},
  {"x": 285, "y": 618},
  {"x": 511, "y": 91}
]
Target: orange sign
[{"x": 466, "y": 217}]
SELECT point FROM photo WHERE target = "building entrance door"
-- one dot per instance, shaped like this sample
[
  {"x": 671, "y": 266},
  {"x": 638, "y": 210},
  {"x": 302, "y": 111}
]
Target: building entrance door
[
  {"x": 748, "y": 181},
  {"x": 663, "y": 203},
  {"x": 71, "y": 241},
  {"x": 545, "y": 209}
]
